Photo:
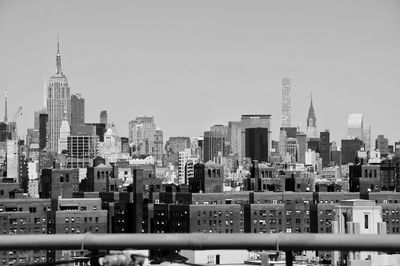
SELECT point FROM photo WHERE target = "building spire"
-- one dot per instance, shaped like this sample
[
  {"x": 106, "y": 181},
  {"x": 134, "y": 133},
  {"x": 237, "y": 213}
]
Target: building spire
[
  {"x": 311, "y": 119},
  {"x": 5, "y": 107},
  {"x": 58, "y": 58},
  {"x": 45, "y": 94}
]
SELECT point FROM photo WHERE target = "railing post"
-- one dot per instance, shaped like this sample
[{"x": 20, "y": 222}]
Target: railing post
[{"x": 289, "y": 258}]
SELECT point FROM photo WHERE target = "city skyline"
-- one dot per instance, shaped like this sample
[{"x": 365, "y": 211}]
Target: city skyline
[
  {"x": 204, "y": 123},
  {"x": 127, "y": 68}
]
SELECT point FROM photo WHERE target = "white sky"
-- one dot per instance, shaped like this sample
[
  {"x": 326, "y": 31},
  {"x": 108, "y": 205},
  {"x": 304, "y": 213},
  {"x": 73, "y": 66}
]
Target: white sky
[{"x": 192, "y": 64}]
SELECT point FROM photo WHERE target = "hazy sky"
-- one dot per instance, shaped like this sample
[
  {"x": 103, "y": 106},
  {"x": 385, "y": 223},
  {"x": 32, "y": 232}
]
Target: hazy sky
[{"x": 192, "y": 64}]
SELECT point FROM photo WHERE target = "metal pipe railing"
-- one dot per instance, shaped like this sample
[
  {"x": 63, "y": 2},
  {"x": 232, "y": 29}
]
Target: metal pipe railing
[{"x": 283, "y": 242}]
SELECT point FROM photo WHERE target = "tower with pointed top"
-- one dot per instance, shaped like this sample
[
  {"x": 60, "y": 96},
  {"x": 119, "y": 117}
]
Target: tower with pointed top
[
  {"x": 58, "y": 102},
  {"x": 311, "y": 122}
]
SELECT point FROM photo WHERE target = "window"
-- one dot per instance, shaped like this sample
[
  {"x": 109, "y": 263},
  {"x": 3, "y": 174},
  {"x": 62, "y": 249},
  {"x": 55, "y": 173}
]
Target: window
[{"x": 366, "y": 221}]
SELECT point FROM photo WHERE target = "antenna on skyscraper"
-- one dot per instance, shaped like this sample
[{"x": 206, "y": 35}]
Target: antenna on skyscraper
[
  {"x": 5, "y": 107},
  {"x": 45, "y": 94}
]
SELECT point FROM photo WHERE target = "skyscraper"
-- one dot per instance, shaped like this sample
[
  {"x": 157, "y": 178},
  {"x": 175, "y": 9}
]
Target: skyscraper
[
  {"x": 234, "y": 137},
  {"x": 311, "y": 122},
  {"x": 103, "y": 117},
  {"x": 77, "y": 110},
  {"x": 36, "y": 117},
  {"x": 58, "y": 102},
  {"x": 286, "y": 103},
  {"x": 43, "y": 125},
  {"x": 366, "y": 136},
  {"x": 282, "y": 143},
  {"x": 257, "y": 144},
  {"x": 302, "y": 141},
  {"x": 324, "y": 148},
  {"x": 253, "y": 121},
  {"x": 158, "y": 150},
  {"x": 141, "y": 134},
  {"x": 350, "y": 147},
  {"x": 292, "y": 147},
  {"x": 65, "y": 132},
  {"x": 355, "y": 126},
  {"x": 382, "y": 144},
  {"x": 214, "y": 142}
]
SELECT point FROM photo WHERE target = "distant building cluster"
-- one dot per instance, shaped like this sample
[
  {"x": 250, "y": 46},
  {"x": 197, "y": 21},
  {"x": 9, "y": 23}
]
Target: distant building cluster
[{"x": 71, "y": 176}]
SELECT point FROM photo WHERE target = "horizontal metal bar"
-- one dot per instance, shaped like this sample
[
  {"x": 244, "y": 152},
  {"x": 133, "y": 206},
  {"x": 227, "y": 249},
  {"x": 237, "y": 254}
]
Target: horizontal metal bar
[{"x": 198, "y": 241}]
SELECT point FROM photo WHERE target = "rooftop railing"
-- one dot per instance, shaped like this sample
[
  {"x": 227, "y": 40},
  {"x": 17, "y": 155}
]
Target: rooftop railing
[{"x": 198, "y": 241}]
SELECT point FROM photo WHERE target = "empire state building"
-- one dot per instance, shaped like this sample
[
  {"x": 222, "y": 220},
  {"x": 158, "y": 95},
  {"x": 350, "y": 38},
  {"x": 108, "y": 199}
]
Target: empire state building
[{"x": 58, "y": 103}]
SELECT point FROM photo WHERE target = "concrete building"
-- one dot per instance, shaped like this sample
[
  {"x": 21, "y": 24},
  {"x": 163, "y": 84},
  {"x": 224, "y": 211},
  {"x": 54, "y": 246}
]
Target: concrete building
[
  {"x": 177, "y": 144},
  {"x": 286, "y": 103},
  {"x": 357, "y": 216},
  {"x": 183, "y": 157},
  {"x": 58, "y": 102},
  {"x": 302, "y": 142},
  {"x": 65, "y": 132},
  {"x": 282, "y": 143},
  {"x": 366, "y": 136},
  {"x": 12, "y": 160},
  {"x": 110, "y": 149},
  {"x": 141, "y": 134},
  {"x": 234, "y": 137},
  {"x": 82, "y": 149},
  {"x": 215, "y": 142},
  {"x": 158, "y": 150},
  {"x": 292, "y": 147},
  {"x": 58, "y": 182},
  {"x": 382, "y": 144},
  {"x": 208, "y": 178},
  {"x": 78, "y": 216},
  {"x": 22, "y": 216}
]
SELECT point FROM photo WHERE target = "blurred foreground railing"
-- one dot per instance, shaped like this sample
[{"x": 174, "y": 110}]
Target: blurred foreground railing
[{"x": 283, "y": 242}]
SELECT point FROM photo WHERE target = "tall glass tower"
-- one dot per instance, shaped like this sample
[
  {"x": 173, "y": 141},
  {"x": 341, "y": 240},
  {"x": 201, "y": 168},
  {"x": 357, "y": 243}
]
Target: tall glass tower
[
  {"x": 286, "y": 104},
  {"x": 58, "y": 103}
]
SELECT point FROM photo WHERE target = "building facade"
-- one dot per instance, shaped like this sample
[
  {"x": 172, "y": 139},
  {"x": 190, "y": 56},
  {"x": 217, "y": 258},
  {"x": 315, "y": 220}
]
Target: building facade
[
  {"x": 58, "y": 102},
  {"x": 77, "y": 109},
  {"x": 286, "y": 103}
]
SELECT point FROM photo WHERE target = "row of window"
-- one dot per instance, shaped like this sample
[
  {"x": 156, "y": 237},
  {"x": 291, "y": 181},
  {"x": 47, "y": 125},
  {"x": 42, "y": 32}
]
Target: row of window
[
  {"x": 77, "y": 230},
  {"x": 220, "y": 222},
  {"x": 20, "y": 209},
  {"x": 78, "y": 219}
]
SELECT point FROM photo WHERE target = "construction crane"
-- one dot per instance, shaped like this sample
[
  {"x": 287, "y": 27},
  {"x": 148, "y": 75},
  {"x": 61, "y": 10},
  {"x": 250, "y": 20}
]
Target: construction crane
[{"x": 17, "y": 114}]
